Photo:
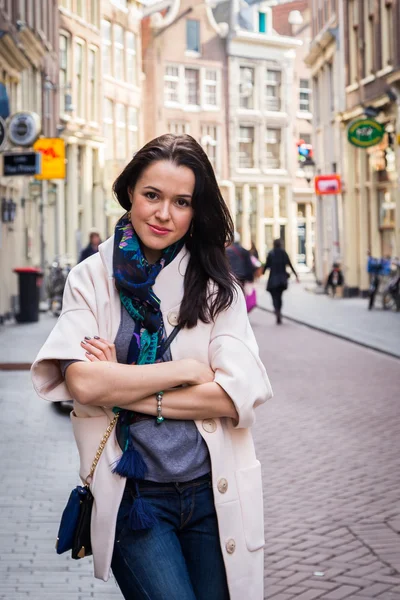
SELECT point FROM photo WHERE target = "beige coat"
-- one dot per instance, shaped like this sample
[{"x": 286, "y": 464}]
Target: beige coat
[{"x": 92, "y": 307}]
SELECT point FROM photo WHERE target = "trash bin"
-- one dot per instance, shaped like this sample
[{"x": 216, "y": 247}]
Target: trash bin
[{"x": 29, "y": 282}]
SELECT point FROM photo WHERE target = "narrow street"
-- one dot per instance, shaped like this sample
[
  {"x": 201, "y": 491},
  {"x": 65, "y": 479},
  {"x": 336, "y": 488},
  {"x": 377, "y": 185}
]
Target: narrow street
[{"x": 329, "y": 445}]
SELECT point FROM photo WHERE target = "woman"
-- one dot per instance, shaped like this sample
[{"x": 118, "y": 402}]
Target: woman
[
  {"x": 178, "y": 507},
  {"x": 277, "y": 261}
]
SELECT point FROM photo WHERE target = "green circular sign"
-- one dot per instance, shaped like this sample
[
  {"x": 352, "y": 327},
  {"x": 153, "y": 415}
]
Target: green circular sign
[{"x": 364, "y": 133}]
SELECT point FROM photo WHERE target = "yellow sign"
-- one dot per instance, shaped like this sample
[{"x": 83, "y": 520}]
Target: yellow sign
[
  {"x": 398, "y": 139},
  {"x": 53, "y": 157}
]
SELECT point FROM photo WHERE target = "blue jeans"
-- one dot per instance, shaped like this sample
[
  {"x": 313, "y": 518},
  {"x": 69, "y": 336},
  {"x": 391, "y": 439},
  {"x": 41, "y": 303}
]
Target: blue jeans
[{"x": 180, "y": 557}]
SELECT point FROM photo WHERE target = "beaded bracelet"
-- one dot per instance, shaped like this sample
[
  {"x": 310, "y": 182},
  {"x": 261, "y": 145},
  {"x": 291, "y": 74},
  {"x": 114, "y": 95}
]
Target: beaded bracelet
[{"x": 159, "y": 398}]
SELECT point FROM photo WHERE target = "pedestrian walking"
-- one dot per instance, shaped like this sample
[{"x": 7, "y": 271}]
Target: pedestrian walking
[
  {"x": 178, "y": 508},
  {"x": 253, "y": 250},
  {"x": 240, "y": 261},
  {"x": 335, "y": 279},
  {"x": 92, "y": 247},
  {"x": 277, "y": 261}
]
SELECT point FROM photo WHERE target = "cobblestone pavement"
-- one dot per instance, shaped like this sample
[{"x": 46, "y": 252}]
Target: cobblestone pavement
[
  {"x": 329, "y": 445},
  {"x": 345, "y": 317}
]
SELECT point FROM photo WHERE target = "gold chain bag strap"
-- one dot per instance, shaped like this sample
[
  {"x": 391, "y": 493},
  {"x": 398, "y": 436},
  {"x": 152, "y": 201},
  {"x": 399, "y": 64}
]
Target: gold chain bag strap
[{"x": 74, "y": 530}]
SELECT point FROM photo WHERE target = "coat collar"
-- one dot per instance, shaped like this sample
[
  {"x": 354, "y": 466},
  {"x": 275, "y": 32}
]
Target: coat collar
[{"x": 169, "y": 284}]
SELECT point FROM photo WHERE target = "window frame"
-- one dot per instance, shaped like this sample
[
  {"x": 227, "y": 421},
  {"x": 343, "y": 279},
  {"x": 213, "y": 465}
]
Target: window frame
[
  {"x": 193, "y": 51},
  {"x": 131, "y": 54},
  {"x": 242, "y": 69},
  {"x": 215, "y": 84},
  {"x": 80, "y": 43},
  {"x": 214, "y": 143},
  {"x": 240, "y": 141},
  {"x": 277, "y": 85},
  {"x": 119, "y": 47},
  {"x": 173, "y": 79},
  {"x": 109, "y": 122},
  {"x": 305, "y": 90},
  {"x": 279, "y": 140},
  {"x": 93, "y": 84},
  {"x": 105, "y": 42},
  {"x": 186, "y": 91}
]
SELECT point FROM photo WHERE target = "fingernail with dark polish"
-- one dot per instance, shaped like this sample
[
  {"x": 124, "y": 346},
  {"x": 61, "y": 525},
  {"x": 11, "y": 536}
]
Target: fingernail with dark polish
[
  {"x": 88, "y": 354},
  {"x": 87, "y": 338},
  {"x": 82, "y": 342},
  {"x": 96, "y": 337}
]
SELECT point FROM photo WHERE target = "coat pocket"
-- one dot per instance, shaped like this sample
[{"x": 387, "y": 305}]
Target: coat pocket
[{"x": 250, "y": 490}]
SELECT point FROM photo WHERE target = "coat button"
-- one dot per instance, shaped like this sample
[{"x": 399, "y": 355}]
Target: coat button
[
  {"x": 222, "y": 486},
  {"x": 173, "y": 318},
  {"x": 230, "y": 546},
  {"x": 209, "y": 425}
]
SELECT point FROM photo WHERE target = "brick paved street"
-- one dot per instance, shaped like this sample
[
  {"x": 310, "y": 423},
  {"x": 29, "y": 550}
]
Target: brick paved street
[{"x": 330, "y": 446}]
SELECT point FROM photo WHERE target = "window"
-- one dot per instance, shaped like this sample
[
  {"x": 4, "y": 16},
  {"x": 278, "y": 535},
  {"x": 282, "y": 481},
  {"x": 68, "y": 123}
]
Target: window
[
  {"x": 262, "y": 22},
  {"x": 108, "y": 120},
  {"x": 119, "y": 52},
  {"x": 106, "y": 35},
  {"x": 192, "y": 87},
  {"x": 305, "y": 94},
  {"x": 209, "y": 142},
  {"x": 306, "y": 137},
  {"x": 269, "y": 237},
  {"x": 171, "y": 84},
  {"x": 79, "y": 80},
  {"x": 273, "y": 90},
  {"x": 131, "y": 57},
  {"x": 120, "y": 132},
  {"x": 93, "y": 100},
  {"x": 64, "y": 71},
  {"x": 273, "y": 148},
  {"x": 178, "y": 127},
  {"x": 133, "y": 141},
  {"x": 269, "y": 205},
  {"x": 246, "y": 147},
  {"x": 246, "y": 87},
  {"x": 369, "y": 46},
  {"x": 353, "y": 16},
  {"x": 210, "y": 87},
  {"x": 80, "y": 8},
  {"x": 282, "y": 203},
  {"x": 94, "y": 12},
  {"x": 387, "y": 24},
  {"x": 193, "y": 35}
]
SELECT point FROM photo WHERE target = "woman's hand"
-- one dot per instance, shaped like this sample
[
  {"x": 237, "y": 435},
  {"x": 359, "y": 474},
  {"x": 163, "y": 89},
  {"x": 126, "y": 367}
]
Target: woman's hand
[
  {"x": 197, "y": 372},
  {"x": 98, "y": 349}
]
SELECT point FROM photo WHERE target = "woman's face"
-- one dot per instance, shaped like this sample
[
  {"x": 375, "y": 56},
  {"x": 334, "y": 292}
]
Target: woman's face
[{"x": 162, "y": 212}]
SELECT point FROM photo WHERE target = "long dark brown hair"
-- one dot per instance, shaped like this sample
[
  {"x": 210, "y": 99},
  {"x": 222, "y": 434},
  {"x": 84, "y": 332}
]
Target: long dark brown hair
[{"x": 211, "y": 230}]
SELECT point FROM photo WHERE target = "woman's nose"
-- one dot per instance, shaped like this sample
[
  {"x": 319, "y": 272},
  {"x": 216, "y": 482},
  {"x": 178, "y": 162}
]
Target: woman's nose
[{"x": 163, "y": 211}]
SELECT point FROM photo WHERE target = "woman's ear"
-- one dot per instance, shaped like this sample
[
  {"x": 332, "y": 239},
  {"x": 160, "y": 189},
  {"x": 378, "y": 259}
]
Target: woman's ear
[{"x": 130, "y": 195}]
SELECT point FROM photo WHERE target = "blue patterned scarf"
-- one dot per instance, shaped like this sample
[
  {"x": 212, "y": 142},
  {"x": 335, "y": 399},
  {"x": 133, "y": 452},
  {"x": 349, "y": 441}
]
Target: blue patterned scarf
[{"x": 134, "y": 280}]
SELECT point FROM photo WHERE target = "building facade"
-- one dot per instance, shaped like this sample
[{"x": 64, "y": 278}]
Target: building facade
[
  {"x": 261, "y": 114},
  {"x": 372, "y": 198},
  {"x": 326, "y": 60},
  {"x": 185, "y": 69},
  {"x": 293, "y": 19},
  {"x": 29, "y": 72},
  {"x": 121, "y": 93}
]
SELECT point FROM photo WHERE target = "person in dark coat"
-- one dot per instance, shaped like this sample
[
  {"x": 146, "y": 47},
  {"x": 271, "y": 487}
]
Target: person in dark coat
[
  {"x": 335, "y": 279},
  {"x": 240, "y": 261},
  {"x": 92, "y": 247},
  {"x": 277, "y": 261}
]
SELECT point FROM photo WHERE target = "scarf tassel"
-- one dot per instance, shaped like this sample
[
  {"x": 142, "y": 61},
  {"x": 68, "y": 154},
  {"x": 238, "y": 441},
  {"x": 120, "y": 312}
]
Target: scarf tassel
[
  {"x": 142, "y": 514},
  {"x": 131, "y": 463}
]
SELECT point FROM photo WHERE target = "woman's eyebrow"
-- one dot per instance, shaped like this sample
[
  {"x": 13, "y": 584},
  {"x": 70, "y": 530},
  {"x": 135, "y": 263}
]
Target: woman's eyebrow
[{"x": 151, "y": 187}]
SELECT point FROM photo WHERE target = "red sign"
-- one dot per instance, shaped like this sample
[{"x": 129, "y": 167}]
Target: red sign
[{"x": 328, "y": 184}]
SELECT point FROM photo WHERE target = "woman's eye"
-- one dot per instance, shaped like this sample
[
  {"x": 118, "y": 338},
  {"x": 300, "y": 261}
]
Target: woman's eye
[
  {"x": 182, "y": 202},
  {"x": 151, "y": 195}
]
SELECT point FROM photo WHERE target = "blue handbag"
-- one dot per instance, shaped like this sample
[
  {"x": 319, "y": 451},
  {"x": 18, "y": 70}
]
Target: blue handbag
[{"x": 74, "y": 530}]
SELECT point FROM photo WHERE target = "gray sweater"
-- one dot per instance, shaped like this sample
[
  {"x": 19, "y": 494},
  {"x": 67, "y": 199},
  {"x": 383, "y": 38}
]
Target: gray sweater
[{"x": 173, "y": 451}]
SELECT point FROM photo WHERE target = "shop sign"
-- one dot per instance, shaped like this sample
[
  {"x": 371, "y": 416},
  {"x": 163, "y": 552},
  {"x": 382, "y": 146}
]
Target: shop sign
[
  {"x": 52, "y": 151},
  {"x": 23, "y": 128},
  {"x": 21, "y": 163},
  {"x": 328, "y": 184},
  {"x": 365, "y": 133},
  {"x": 2, "y": 133}
]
